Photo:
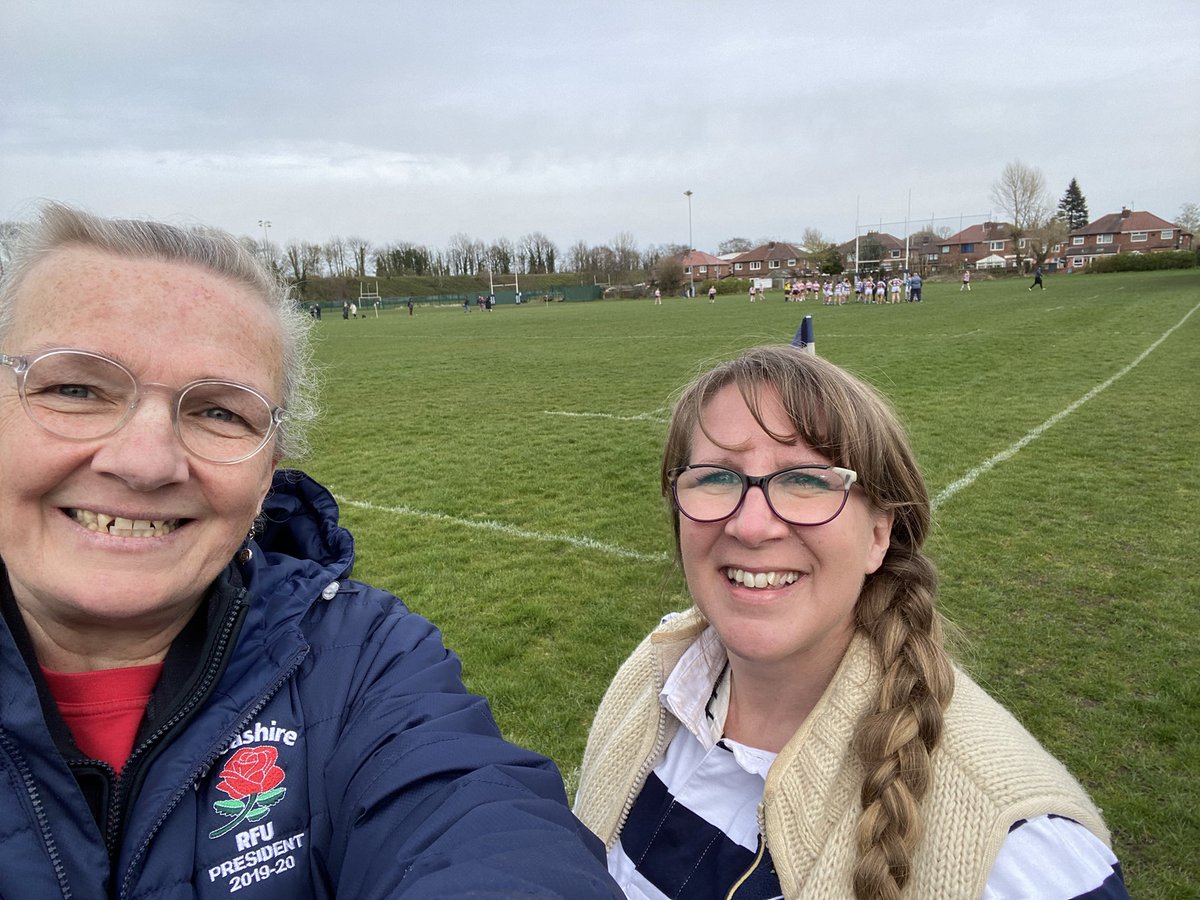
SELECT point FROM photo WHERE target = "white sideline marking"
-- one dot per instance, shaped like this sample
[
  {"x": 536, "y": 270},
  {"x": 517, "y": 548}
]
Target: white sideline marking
[
  {"x": 655, "y": 416},
  {"x": 1008, "y": 452},
  {"x": 583, "y": 543}
]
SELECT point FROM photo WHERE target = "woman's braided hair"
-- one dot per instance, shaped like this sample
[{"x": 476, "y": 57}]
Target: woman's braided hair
[{"x": 848, "y": 422}]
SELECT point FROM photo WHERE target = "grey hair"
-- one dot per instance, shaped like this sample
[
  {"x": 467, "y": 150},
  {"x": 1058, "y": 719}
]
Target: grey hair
[{"x": 59, "y": 226}]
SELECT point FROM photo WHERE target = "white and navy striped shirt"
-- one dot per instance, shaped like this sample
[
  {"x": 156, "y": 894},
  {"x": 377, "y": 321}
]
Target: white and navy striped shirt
[{"x": 693, "y": 831}]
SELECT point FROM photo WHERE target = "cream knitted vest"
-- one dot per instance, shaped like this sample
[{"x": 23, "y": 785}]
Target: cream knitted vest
[{"x": 988, "y": 772}]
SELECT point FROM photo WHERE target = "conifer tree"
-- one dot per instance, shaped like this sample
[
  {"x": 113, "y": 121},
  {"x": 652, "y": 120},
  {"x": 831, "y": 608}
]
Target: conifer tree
[{"x": 1072, "y": 208}]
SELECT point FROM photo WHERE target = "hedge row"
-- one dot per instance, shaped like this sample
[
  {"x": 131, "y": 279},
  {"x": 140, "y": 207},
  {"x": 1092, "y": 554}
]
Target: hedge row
[{"x": 1144, "y": 262}]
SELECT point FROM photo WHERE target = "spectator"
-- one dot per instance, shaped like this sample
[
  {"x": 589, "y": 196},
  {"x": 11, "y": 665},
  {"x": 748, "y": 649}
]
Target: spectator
[
  {"x": 801, "y": 730},
  {"x": 198, "y": 697}
]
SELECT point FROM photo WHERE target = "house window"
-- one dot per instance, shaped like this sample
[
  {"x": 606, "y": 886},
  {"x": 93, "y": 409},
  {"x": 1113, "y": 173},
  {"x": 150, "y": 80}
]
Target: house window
[
  {"x": 945, "y": 248},
  {"x": 703, "y": 269},
  {"x": 1106, "y": 239},
  {"x": 772, "y": 264},
  {"x": 1167, "y": 234},
  {"x": 1077, "y": 262},
  {"x": 1021, "y": 243},
  {"x": 791, "y": 263},
  {"x": 1077, "y": 242},
  {"x": 932, "y": 257},
  {"x": 996, "y": 245},
  {"x": 755, "y": 266},
  {"x": 687, "y": 270},
  {"x": 895, "y": 254},
  {"x": 737, "y": 267},
  {"x": 1139, "y": 236},
  {"x": 968, "y": 248}
]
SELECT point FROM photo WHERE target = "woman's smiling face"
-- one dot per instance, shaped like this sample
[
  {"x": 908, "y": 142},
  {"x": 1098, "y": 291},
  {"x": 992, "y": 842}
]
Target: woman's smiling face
[
  {"x": 169, "y": 323},
  {"x": 811, "y": 575}
]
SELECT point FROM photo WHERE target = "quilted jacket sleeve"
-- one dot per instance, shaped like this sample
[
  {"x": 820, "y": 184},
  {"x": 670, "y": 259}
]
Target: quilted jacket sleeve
[{"x": 426, "y": 798}]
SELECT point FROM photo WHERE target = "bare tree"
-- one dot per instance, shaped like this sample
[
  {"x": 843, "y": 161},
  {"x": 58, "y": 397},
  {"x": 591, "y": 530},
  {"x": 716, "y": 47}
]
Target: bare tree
[
  {"x": 1020, "y": 192},
  {"x": 464, "y": 254},
  {"x": 651, "y": 255},
  {"x": 593, "y": 260},
  {"x": 359, "y": 249},
  {"x": 333, "y": 251},
  {"x": 264, "y": 250},
  {"x": 578, "y": 257},
  {"x": 1189, "y": 217},
  {"x": 733, "y": 245},
  {"x": 500, "y": 257},
  {"x": 437, "y": 264},
  {"x": 625, "y": 252},
  {"x": 403, "y": 258},
  {"x": 1042, "y": 238},
  {"x": 302, "y": 261},
  {"x": 537, "y": 253},
  {"x": 813, "y": 240}
]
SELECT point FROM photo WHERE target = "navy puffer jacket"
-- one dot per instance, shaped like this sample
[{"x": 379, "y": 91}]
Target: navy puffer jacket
[{"x": 315, "y": 740}]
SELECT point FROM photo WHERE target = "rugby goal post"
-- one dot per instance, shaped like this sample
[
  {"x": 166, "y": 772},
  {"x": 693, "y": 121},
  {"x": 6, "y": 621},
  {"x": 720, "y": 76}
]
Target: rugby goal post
[
  {"x": 515, "y": 284},
  {"x": 371, "y": 296}
]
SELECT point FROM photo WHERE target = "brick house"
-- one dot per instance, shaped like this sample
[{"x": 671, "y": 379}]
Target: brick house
[
  {"x": 776, "y": 258},
  {"x": 979, "y": 242},
  {"x": 1129, "y": 231},
  {"x": 924, "y": 252},
  {"x": 891, "y": 252},
  {"x": 702, "y": 266}
]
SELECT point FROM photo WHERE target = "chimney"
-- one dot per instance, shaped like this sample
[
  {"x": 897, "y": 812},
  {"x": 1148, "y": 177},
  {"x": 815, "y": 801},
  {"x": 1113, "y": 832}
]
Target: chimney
[{"x": 1124, "y": 212}]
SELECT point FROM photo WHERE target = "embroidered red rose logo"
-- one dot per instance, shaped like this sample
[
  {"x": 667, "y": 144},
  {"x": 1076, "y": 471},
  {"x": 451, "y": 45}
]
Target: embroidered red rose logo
[{"x": 251, "y": 779}]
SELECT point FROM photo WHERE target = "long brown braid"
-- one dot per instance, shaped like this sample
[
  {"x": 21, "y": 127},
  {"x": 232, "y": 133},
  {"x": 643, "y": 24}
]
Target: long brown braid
[{"x": 841, "y": 417}]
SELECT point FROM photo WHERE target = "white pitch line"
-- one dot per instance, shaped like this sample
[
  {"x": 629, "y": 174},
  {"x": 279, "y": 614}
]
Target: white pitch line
[
  {"x": 582, "y": 542},
  {"x": 1008, "y": 452},
  {"x": 640, "y": 417}
]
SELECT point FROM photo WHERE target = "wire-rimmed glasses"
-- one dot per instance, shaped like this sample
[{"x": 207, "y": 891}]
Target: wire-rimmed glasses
[{"x": 83, "y": 396}]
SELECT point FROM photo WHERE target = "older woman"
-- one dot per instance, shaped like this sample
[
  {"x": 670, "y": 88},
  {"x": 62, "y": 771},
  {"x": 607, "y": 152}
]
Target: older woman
[
  {"x": 801, "y": 731},
  {"x": 195, "y": 697}
]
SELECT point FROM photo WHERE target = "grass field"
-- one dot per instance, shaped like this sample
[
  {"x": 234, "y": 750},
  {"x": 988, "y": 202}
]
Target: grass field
[{"x": 499, "y": 471}]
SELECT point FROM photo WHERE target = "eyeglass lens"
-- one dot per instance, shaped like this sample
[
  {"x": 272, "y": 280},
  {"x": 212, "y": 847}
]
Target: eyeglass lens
[
  {"x": 802, "y": 495},
  {"x": 80, "y": 396}
]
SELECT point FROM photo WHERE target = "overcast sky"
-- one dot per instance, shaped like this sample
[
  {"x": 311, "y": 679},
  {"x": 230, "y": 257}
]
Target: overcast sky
[{"x": 416, "y": 120}]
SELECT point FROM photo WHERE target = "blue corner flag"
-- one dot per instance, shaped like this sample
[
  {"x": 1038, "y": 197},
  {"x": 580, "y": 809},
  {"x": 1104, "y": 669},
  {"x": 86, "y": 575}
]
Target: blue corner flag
[{"x": 804, "y": 336}]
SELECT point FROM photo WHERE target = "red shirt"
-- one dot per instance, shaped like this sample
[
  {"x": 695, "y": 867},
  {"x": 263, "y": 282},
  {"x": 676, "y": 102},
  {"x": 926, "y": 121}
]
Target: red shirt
[{"x": 104, "y": 708}]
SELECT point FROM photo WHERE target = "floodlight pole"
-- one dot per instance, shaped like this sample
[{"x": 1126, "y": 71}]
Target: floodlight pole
[
  {"x": 264, "y": 224},
  {"x": 691, "y": 268},
  {"x": 907, "y": 216}
]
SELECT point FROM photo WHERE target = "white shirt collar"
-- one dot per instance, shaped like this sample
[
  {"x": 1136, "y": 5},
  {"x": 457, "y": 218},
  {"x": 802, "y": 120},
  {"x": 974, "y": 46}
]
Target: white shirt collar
[
  {"x": 690, "y": 688},
  {"x": 697, "y": 694}
]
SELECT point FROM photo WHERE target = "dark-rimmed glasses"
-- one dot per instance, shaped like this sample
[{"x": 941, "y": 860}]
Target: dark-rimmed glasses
[
  {"x": 799, "y": 495},
  {"x": 83, "y": 396}
]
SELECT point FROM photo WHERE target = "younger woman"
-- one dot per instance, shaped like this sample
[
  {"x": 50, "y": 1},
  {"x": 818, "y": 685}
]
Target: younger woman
[{"x": 801, "y": 731}]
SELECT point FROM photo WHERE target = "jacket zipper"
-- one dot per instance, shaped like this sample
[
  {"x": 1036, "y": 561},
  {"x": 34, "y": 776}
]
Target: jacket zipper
[
  {"x": 116, "y": 814},
  {"x": 205, "y": 764},
  {"x": 758, "y": 857},
  {"x": 39, "y": 811},
  {"x": 642, "y": 773}
]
